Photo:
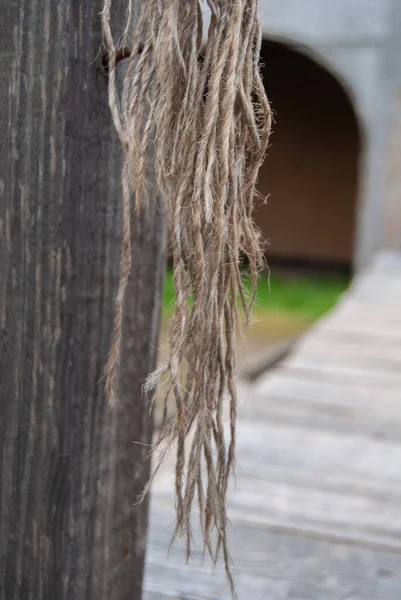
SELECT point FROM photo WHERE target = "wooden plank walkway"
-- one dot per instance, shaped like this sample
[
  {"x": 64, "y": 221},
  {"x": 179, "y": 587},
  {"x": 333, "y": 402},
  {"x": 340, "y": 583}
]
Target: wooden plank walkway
[{"x": 316, "y": 510}]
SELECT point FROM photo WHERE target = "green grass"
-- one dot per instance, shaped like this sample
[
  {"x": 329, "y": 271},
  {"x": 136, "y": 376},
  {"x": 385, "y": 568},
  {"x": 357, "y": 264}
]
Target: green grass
[
  {"x": 304, "y": 296},
  {"x": 309, "y": 296},
  {"x": 168, "y": 297}
]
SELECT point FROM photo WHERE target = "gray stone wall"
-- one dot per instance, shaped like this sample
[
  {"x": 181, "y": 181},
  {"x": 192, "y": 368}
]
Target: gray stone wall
[{"x": 359, "y": 42}]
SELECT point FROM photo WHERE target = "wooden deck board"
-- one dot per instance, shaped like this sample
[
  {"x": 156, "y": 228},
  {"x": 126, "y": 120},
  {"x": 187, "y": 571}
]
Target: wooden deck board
[{"x": 316, "y": 510}]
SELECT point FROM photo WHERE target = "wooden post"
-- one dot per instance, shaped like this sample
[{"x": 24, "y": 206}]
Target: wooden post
[{"x": 70, "y": 468}]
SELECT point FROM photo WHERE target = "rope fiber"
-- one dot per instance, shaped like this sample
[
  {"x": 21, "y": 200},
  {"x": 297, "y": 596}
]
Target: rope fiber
[{"x": 194, "y": 108}]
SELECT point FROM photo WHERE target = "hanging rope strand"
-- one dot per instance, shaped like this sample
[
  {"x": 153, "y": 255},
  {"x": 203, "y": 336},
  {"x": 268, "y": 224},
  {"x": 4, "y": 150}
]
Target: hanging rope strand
[{"x": 197, "y": 110}]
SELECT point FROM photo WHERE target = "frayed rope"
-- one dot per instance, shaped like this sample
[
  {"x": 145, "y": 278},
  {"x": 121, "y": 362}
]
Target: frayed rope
[{"x": 195, "y": 109}]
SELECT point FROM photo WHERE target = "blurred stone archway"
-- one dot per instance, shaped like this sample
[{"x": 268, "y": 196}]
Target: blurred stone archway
[{"x": 311, "y": 173}]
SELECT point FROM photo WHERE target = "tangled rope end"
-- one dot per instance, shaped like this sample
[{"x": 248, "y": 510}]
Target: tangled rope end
[{"x": 196, "y": 111}]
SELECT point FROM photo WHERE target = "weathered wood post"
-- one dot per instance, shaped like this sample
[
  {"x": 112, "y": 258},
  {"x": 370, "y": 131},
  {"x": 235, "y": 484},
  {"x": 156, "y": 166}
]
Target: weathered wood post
[{"x": 70, "y": 468}]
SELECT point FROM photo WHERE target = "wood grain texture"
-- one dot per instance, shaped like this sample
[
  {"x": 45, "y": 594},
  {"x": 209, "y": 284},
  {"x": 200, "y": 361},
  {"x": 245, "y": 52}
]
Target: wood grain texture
[
  {"x": 70, "y": 469},
  {"x": 315, "y": 509}
]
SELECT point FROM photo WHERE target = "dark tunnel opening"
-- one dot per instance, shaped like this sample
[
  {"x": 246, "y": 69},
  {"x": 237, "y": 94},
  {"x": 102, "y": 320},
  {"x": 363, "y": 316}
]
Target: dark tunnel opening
[{"x": 310, "y": 175}]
